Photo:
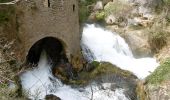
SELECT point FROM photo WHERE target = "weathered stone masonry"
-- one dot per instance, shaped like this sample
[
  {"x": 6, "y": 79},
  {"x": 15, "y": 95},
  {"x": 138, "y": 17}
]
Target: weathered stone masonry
[{"x": 38, "y": 19}]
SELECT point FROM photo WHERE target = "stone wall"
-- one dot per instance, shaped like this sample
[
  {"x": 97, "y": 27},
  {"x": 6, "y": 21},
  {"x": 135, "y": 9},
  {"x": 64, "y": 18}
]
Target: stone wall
[{"x": 37, "y": 19}]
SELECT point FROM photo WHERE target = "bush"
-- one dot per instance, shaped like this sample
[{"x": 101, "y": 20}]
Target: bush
[
  {"x": 157, "y": 40},
  {"x": 161, "y": 74},
  {"x": 100, "y": 15},
  {"x": 157, "y": 33},
  {"x": 116, "y": 8},
  {"x": 167, "y": 2},
  {"x": 83, "y": 9}
]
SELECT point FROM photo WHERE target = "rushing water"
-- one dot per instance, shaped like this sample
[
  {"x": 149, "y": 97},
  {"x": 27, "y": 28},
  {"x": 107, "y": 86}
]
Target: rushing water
[
  {"x": 39, "y": 82},
  {"x": 103, "y": 45},
  {"x": 97, "y": 44}
]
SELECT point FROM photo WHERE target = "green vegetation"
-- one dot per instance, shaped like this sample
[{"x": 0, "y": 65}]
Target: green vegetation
[
  {"x": 103, "y": 68},
  {"x": 84, "y": 7},
  {"x": 100, "y": 15},
  {"x": 158, "y": 33},
  {"x": 4, "y": 17},
  {"x": 5, "y": 14},
  {"x": 161, "y": 74},
  {"x": 167, "y": 2},
  {"x": 117, "y": 8},
  {"x": 157, "y": 40}
]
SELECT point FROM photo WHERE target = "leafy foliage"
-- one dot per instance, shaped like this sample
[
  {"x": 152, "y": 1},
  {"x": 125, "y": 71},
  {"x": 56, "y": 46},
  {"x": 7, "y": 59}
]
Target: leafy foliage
[
  {"x": 161, "y": 73},
  {"x": 117, "y": 8},
  {"x": 83, "y": 10},
  {"x": 100, "y": 15}
]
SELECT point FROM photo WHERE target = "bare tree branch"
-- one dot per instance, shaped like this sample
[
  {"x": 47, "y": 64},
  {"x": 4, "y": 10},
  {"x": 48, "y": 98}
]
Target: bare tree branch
[{"x": 91, "y": 92}]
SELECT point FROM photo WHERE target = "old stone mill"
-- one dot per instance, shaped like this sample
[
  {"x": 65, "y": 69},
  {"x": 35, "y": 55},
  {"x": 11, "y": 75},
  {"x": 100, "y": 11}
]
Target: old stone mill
[
  {"x": 49, "y": 42},
  {"x": 52, "y": 25}
]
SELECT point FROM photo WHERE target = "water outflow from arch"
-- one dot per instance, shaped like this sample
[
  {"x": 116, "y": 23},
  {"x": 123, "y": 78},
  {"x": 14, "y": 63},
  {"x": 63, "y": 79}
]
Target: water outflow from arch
[{"x": 102, "y": 45}]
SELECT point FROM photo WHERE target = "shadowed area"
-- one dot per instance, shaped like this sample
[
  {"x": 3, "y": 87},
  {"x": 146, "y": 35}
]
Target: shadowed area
[{"x": 52, "y": 46}]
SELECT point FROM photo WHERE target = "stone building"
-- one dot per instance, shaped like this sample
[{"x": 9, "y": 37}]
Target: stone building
[{"x": 50, "y": 25}]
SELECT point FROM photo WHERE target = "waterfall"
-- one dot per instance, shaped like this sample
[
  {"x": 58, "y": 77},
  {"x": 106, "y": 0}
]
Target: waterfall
[
  {"x": 39, "y": 82},
  {"x": 97, "y": 44},
  {"x": 103, "y": 45}
]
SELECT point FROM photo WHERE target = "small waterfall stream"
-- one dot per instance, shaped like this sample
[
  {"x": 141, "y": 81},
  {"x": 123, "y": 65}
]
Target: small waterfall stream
[{"x": 97, "y": 44}]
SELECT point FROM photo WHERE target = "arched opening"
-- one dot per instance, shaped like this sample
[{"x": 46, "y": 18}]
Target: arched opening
[
  {"x": 53, "y": 47},
  {"x": 56, "y": 56}
]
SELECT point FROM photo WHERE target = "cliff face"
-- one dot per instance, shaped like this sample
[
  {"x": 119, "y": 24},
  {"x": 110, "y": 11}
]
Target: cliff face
[{"x": 37, "y": 19}]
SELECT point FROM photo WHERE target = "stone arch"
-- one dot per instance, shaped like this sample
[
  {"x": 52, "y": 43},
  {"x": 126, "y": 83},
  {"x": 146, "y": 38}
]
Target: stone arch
[{"x": 54, "y": 47}]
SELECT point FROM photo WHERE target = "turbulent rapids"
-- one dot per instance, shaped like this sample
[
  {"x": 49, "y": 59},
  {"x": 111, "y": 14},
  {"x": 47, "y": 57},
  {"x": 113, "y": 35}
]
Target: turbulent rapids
[
  {"x": 97, "y": 44},
  {"x": 102, "y": 45},
  {"x": 39, "y": 82}
]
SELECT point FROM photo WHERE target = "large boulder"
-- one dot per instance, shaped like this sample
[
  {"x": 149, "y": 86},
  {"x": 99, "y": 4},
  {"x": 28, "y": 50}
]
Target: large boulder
[
  {"x": 98, "y": 6},
  {"x": 138, "y": 42}
]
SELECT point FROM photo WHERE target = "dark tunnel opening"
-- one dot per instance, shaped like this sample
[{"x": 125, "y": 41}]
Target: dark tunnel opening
[
  {"x": 53, "y": 48},
  {"x": 56, "y": 56}
]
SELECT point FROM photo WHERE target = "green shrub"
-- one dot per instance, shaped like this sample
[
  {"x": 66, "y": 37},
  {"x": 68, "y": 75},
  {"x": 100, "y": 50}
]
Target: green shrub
[
  {"x": 100, "y": 15},
  {"x": 157, "y": 40},
  {"x": 84, "y": 9},
  {"x": 161, "y": 74},
  {"x": 158, "y": 34},
  {"x": 167, "y": 2},
  {"x": 117, "y": 8}
]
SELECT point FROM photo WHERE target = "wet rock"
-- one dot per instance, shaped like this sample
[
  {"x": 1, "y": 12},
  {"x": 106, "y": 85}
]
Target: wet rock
[
  {"x": 102, "y": 69},
  {"x": 118, "y": 81},
  {"x": 51, "y": 97}
]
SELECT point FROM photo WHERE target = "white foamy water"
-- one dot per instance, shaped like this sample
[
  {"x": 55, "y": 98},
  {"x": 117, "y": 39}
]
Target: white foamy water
[
  {"x": 39, "y": 82},
  {"x": 108, "y": 46}
]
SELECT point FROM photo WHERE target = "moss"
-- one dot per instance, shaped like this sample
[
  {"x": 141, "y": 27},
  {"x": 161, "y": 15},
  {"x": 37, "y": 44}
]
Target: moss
[
  {"x": 103, "y": 68},
  {"x": 100, "y": 15},
  {"x": 161, "y": 74}
]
